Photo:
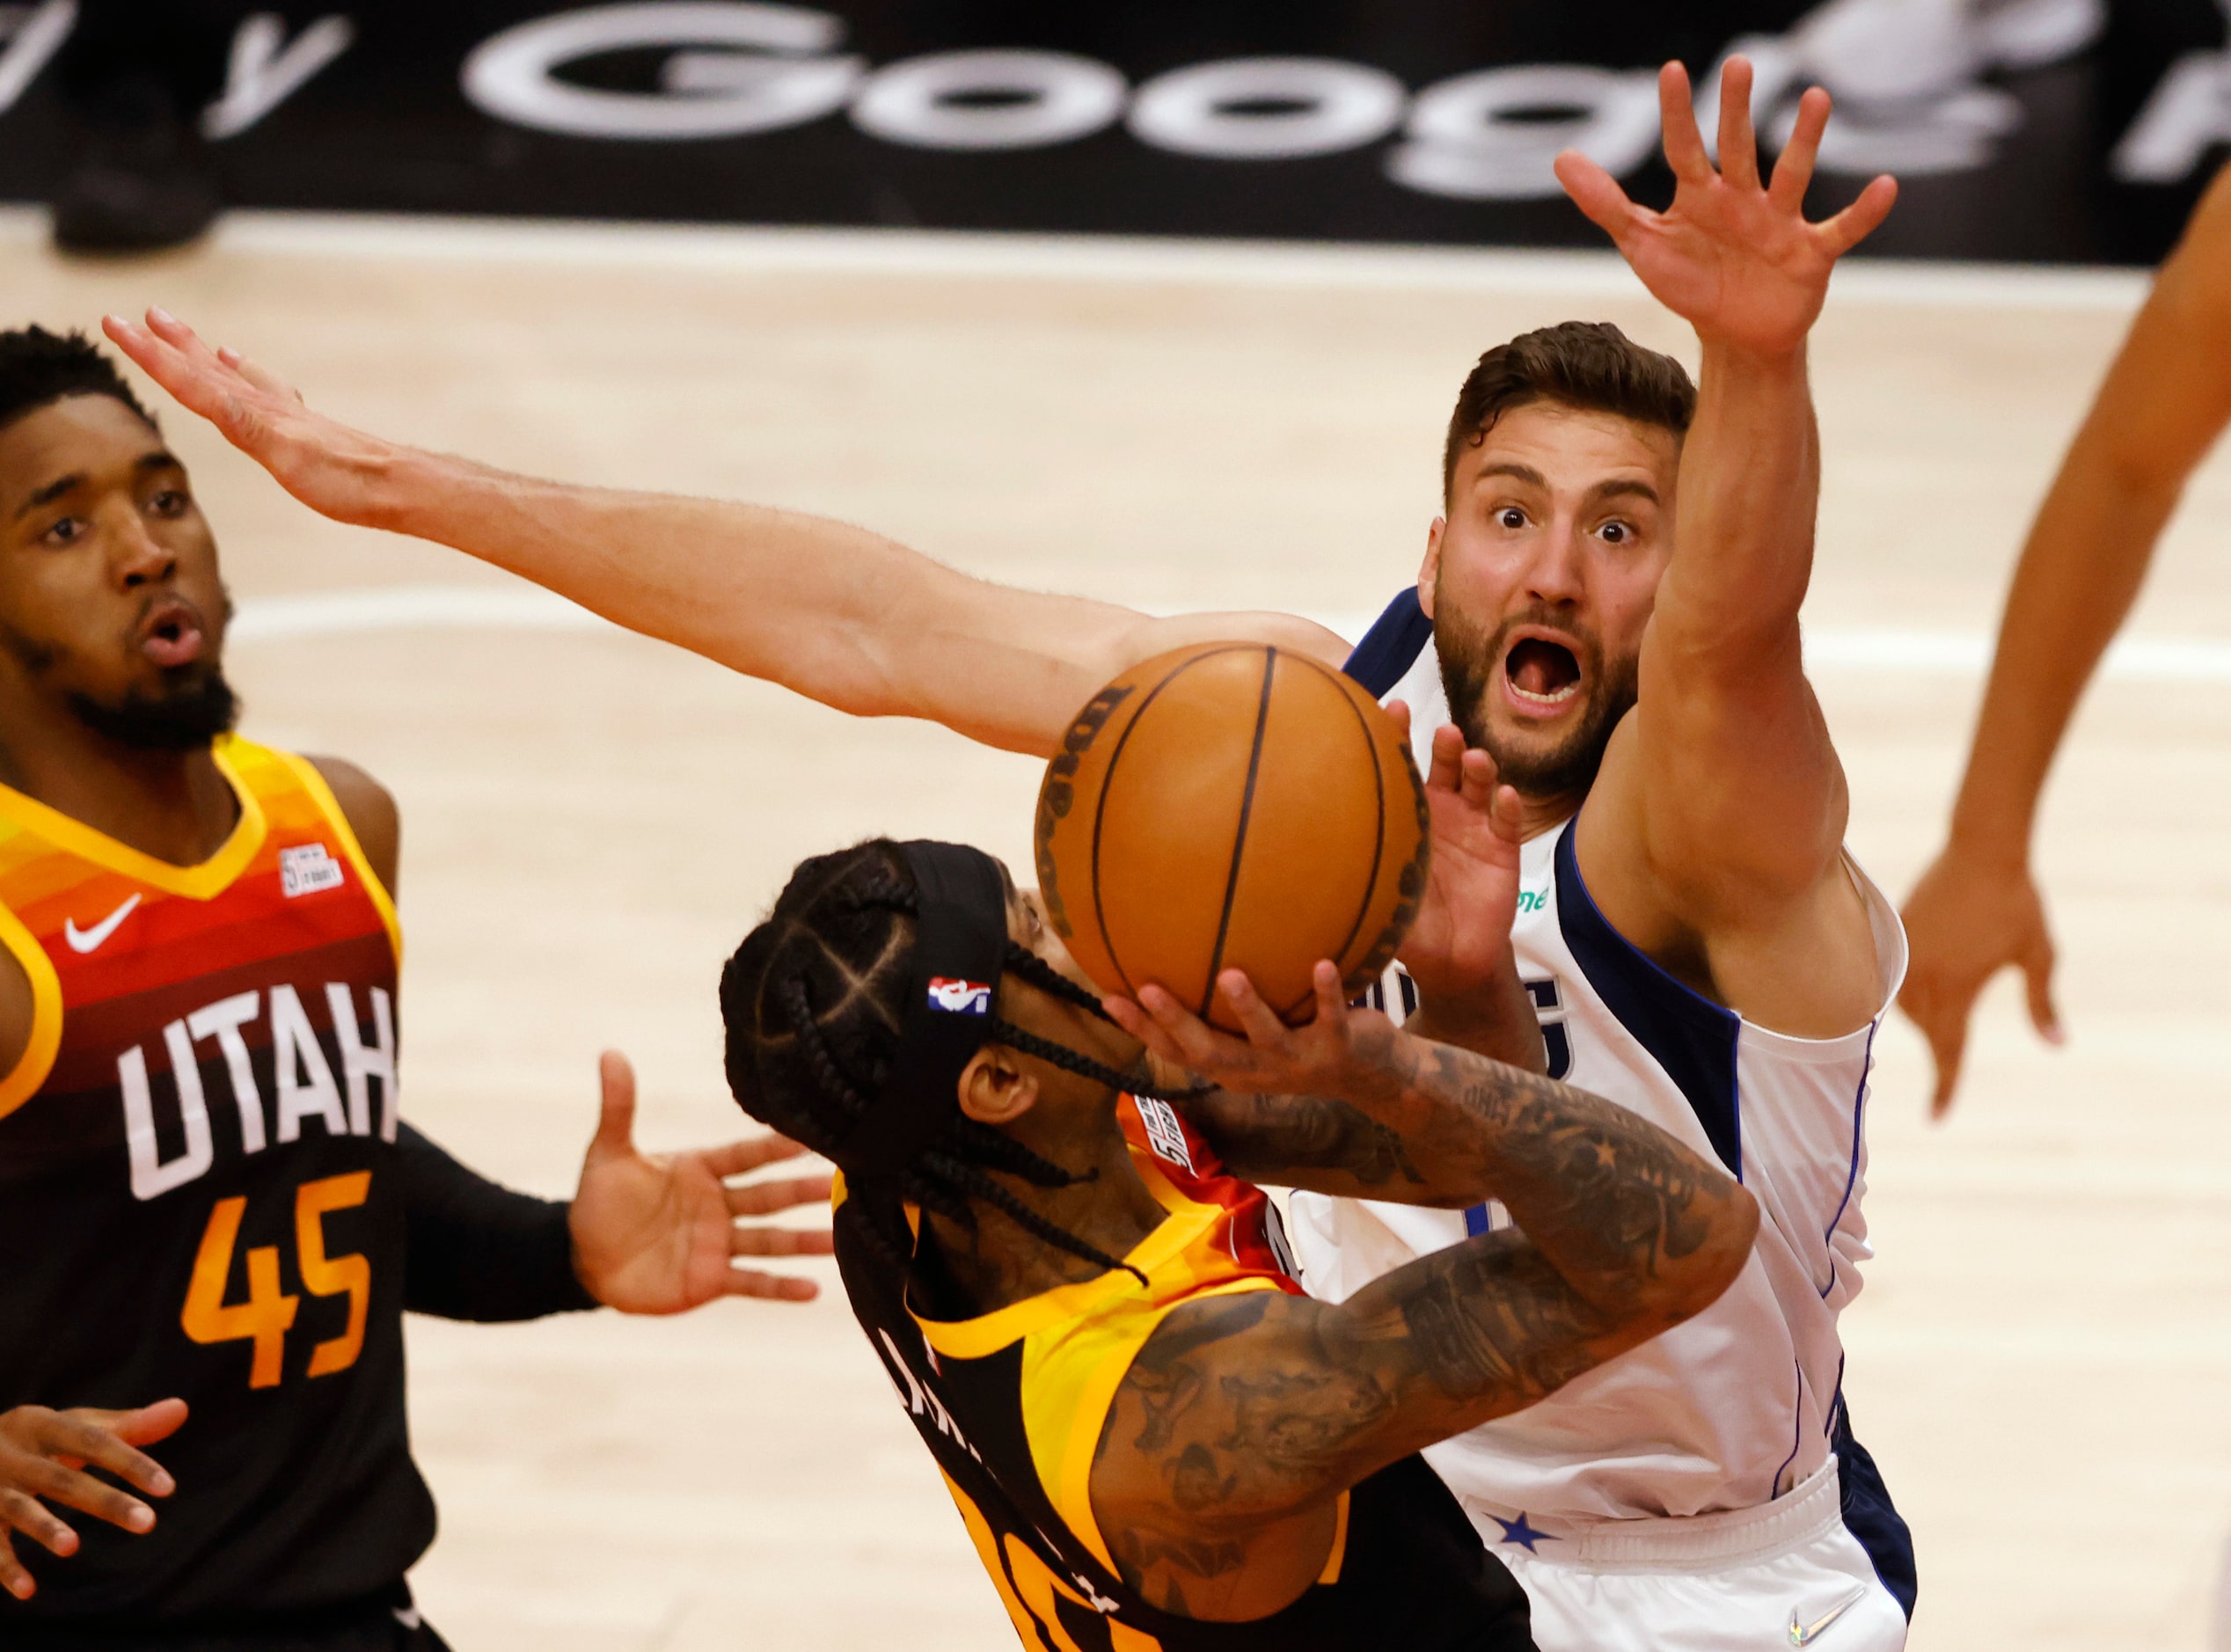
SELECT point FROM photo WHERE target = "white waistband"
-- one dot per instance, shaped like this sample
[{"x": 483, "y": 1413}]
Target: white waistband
[{"x": 1686, "y": 1542}]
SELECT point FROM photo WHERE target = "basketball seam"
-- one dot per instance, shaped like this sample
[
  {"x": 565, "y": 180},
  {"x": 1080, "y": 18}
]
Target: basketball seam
[
  {"x": 1378, "y": 837},
  {"x": 1107, "y": 781},
  {"x": 1240, "y": 837}
]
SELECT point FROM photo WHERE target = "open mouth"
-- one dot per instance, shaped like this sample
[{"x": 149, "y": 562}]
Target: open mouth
[
  {"x": 171, "y": 635},
  {"x": 1539, "y": 672}
]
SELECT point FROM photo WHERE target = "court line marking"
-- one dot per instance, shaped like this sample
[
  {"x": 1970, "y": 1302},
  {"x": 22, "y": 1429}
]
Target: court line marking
[
  {"x": 1143, "y": 259},
  {"x": 1858, "y": 649}
]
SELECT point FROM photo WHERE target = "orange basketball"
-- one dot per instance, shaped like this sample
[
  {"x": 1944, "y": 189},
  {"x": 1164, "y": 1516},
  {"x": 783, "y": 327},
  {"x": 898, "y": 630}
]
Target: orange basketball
[{"x": 1227, "y": 806}]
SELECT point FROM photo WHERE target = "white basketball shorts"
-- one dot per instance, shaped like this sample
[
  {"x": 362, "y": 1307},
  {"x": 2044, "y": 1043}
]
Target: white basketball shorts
[{"x": 1787, "y": 1574}]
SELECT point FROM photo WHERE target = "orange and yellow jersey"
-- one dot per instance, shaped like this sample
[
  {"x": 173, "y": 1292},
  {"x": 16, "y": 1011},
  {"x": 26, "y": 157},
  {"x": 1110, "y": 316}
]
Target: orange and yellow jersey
[
  {"x": 1011, "y": 1405},
  {"x": 197, "y": 1197}
]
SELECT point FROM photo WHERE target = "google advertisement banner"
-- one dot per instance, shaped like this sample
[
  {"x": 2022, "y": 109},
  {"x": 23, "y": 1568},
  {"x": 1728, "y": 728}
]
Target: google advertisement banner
[{"x": 2022, "y": 130}]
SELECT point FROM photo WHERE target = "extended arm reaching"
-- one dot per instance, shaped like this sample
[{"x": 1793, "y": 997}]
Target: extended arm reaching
[
  {"x": 1243, "y": 1415},
  {"x": 1715, "y": 827},
  {"x": 839, "y": 614},
  {"x": 2165, "y": 401}
]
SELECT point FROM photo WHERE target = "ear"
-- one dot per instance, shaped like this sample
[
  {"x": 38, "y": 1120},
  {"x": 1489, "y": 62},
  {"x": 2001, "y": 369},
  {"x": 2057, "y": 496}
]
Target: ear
[
  {"x": 1428, "y": 573},
  {"x": 994, "y": 1089}
]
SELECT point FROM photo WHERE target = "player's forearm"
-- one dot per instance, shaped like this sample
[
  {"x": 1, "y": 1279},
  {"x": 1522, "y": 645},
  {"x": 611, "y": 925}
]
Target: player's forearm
[
  {"x": 1617, "y": 1206},
  {"x": 2080, "y": 572},
  {"x": 1748, "y": 489},
  {"x": 1620, "y": 1233},
  {"x": 478, "y": 1250},
  {"x": 1498, "y": 1022},
  {"x": 1623, "y": 1213},
  {"x": 834, "y": 612}
]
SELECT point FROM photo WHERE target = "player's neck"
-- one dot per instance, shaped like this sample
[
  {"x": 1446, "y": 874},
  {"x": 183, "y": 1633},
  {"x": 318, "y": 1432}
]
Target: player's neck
[
  {"x": 175, "y": 806},
  {"x": 1003, "y": 1262},
  {"x": 1546, "y": 811}
]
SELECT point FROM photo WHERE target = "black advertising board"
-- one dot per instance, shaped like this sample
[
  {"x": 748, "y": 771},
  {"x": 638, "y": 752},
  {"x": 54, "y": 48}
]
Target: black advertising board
[{"x": 2022, "y": 130}]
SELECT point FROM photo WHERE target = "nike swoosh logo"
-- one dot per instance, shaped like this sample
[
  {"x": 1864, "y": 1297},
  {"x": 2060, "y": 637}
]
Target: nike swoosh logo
[
  {"x": 1805, "y": 1634},
  {"x": 87, "y": 940}
]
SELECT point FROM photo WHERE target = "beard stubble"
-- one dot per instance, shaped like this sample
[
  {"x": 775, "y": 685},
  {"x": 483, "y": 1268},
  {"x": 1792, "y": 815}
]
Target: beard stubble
[{"x": 1469, "y": 658}]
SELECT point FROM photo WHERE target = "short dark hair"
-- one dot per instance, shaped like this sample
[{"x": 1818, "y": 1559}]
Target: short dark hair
[
  {"x": 39, "y": 367},
  {"x": 1591, "y": 365}
]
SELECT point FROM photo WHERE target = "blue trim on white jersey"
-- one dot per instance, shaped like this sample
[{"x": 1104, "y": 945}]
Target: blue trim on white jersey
[
  {"x": 1392, "y": 645},
  {"x": 1692, "y": 1038},
  {"x": 1851, "y": 1178},
  {"x": 1868, "y": 1514},
  {"x": 1797, "y": 1433}
]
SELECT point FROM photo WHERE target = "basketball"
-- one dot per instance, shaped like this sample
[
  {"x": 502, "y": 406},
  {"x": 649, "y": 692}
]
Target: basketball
[{"x": 1231, "y": 805}]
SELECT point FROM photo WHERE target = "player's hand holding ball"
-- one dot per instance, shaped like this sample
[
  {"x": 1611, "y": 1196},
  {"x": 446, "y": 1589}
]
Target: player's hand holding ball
[
  {"x": 43, "y": 1456},
  {"x": 1340, "y": 1050}
]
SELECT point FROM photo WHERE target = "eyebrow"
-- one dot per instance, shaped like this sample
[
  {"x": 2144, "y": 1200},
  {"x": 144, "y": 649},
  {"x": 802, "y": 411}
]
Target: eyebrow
[
  {"x": 52, "y": 491},
  {"x": 1511, "y": 468},
  {"x": 1625, "y": 487},
  {"x": 161, "y": 460}
]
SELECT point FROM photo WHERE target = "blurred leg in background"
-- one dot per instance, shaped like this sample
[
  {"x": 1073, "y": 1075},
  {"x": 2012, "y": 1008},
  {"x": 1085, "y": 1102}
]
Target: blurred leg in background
[{"x": 135, "y": 76}]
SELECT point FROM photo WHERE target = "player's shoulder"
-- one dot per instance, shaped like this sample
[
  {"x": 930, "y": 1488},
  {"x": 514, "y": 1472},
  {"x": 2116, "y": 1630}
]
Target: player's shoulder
[
  {"x": 1392, "y": 645},
  {"x": 370, "y": 810}
]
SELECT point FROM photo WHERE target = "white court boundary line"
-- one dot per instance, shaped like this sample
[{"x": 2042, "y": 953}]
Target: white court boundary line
[
  {"x": 1856, "y": 649},
  {"x": 1135, "y": 259}
]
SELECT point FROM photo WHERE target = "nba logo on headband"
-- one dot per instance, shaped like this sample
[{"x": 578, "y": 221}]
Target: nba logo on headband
[{"x": 960, "y": 998}]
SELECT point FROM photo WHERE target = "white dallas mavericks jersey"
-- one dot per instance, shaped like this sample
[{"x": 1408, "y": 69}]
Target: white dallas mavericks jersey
[{"x": 1740, "y": 1404}]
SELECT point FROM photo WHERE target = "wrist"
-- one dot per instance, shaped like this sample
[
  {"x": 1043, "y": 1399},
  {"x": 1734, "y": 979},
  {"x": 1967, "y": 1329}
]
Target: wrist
[
  {"x": 1997, "y": 844},
  {"x": 399, "y": 487},
  {"x": 1723, "y": 357}
]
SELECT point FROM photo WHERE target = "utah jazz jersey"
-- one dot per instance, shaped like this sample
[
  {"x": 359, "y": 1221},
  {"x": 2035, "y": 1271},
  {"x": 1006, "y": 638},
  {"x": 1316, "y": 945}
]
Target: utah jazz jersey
[
  {"x": 197, "y": 1198},
  {"x": 1012, "y": 1404}
]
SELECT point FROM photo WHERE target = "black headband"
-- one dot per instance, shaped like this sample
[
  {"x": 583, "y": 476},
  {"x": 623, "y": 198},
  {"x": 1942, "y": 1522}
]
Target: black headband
[{"x": 960, "y": 943}]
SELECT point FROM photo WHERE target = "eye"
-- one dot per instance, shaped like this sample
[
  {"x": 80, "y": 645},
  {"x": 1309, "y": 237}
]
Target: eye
[
  {"x": 1510, "y": 518},
  {"x": 170, "y": 502},
  {"x": 1615, "y": 533},
  {"x": 69, "y": 530}
]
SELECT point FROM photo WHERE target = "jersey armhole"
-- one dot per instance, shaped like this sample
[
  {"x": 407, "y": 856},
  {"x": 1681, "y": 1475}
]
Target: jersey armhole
[
  {"x": 37, "y": 1058},
  {"x": 314, "y": 782}
]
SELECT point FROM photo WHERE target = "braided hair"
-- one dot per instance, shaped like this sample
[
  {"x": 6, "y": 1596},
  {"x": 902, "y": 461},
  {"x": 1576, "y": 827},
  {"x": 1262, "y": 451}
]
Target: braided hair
[{"x": 813, "y": 1002}]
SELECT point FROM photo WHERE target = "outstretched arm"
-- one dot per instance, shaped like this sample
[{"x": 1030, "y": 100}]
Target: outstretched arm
[
  {"x": 1719, "y": 814},
  {"x": 2165, "y": 401},
  {"x": 1243, "y": 1415},
  {"x": 839, "y": 614}
]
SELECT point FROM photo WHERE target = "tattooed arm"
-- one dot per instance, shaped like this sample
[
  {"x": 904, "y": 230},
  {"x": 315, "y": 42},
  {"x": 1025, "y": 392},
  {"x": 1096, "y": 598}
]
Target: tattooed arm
[
  {"x": 1303, "y": 1108},
  {"x": 1244, "y": 1416}
]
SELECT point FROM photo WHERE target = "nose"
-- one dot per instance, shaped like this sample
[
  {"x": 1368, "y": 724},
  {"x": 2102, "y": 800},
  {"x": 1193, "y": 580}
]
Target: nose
[
  {"x": 1554, "y": 575},
  {"x": 137, "y": 557}
]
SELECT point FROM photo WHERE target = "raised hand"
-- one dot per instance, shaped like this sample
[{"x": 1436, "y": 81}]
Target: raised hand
[
  {"x": 333, "y": 469},
  {"x": 1460, "y": 944},
  {"x": 654, "y": 1233},
  {"x": 1733, "y": 256},
  {"x": 1967, "y": 919},
  {"x": 43, "y": 1456}
]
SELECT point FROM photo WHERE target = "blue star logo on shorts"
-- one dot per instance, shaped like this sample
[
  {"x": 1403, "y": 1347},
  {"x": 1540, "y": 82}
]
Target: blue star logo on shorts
[{"x": 1519, "y": 1533}]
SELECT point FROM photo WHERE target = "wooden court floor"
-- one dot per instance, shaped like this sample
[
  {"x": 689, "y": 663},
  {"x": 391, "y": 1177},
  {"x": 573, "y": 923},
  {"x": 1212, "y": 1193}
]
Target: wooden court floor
[{"x": 2041, "y": 1357}]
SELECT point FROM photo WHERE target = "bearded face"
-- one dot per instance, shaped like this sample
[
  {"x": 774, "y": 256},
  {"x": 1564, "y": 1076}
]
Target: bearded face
[
  {"x": 110, "y": 608},
  {"x": 1581, "y": 695},
  {"x": 1540, "y": 581}
]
